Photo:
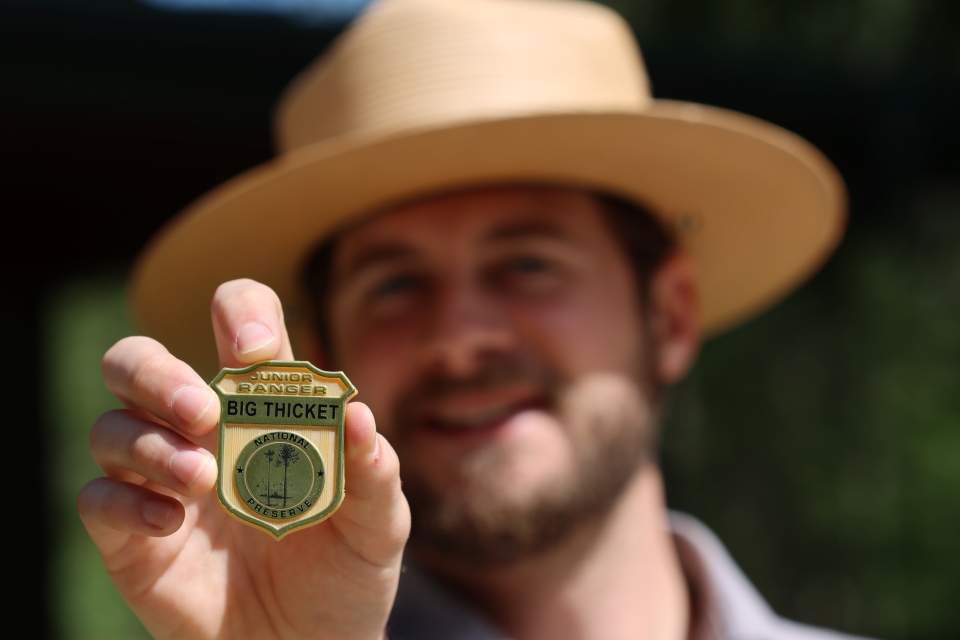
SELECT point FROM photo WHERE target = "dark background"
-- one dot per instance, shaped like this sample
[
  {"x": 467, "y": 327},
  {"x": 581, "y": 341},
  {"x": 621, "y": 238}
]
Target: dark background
[{"x": 821, "y": 441}]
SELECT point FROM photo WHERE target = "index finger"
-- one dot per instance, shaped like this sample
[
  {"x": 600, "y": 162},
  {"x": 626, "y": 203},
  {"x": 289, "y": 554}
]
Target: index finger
[{"x": 144, "y": 375}]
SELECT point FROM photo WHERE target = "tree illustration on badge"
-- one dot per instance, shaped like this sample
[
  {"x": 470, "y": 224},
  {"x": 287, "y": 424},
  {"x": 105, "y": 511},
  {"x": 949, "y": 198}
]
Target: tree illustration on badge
[
  {"x": 288, "y": 456},
  {"x": 268, "y": 454}
]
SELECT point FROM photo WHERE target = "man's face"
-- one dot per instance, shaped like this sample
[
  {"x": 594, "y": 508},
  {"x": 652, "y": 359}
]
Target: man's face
[{"x": 498, "y": 337}]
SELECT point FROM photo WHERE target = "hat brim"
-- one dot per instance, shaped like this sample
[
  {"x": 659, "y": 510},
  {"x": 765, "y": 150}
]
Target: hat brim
[{"x": 758, "y": 208}]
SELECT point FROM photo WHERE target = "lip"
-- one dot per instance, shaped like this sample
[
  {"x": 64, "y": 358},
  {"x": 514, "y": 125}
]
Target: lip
[{"x": 479, "y": 413}]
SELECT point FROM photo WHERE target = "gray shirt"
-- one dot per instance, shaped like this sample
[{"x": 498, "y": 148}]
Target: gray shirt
[{"x": 726, "y": 606}]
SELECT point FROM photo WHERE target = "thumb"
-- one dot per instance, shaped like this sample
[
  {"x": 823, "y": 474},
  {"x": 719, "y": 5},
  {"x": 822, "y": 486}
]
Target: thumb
[{"x": 374, "y": 519}]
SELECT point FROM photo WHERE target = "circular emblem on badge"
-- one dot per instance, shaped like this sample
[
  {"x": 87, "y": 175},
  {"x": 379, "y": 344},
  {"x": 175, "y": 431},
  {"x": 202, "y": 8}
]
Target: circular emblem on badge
[
  {"x": 280, "y": 444},
  {"x": 279, "y": 475}
]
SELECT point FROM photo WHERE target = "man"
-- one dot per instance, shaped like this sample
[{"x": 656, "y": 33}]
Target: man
[{"x": 481, "y": 216}]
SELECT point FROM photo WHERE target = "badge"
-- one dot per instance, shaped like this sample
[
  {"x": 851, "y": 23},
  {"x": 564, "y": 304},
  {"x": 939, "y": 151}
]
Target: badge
[{"x": 280, "y": 444}]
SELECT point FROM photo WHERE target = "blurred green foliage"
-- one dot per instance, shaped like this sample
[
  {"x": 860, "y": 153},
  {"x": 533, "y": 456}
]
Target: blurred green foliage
[
  {"x": 83, "y": 317},
  {"x": 822, "y": 440}
]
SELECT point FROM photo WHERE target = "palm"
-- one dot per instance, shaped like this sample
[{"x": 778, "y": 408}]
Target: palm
[{"x": 216, "y": 577}]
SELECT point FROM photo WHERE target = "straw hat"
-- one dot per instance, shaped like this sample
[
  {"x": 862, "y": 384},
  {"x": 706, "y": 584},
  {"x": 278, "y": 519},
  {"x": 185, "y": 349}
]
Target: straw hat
[{"x": 421, "y": 96}]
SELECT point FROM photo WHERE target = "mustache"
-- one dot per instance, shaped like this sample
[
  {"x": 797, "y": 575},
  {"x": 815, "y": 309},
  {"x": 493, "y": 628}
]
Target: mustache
[{"x": 496, "y": 373}]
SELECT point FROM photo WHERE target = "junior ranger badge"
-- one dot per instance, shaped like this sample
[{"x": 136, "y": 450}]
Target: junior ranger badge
[{"x": 280, "y": 443}]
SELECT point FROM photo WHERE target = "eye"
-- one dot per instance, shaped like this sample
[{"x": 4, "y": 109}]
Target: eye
[
  {"x": 528, "y": 265},
  {"x": 527, "y": 273},
  {"x": 395, "y": 285},
  {"x": 394, "y": 294}
]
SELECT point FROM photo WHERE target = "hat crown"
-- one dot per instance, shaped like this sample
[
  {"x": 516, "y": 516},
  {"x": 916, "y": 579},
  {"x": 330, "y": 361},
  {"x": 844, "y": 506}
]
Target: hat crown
[{"x": 417, "y": 64}]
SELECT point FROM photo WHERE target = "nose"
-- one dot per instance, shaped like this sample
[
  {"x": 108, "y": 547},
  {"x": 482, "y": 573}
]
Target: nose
[{"x": 469, "y": 328}]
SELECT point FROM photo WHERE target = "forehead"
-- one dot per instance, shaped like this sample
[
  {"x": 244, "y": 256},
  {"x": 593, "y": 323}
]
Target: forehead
[{"x": 475, "y": 215}]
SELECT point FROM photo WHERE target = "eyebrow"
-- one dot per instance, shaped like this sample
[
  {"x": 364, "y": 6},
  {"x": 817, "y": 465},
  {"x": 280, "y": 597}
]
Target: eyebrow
[
  {"x": 377, "y": 255},
  {"x": 392, "y": 253},
  {"x": 523, "y": 230}
]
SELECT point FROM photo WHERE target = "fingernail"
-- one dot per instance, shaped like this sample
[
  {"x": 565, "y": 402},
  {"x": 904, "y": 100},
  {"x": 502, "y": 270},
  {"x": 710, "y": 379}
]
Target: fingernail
[
  {"x": 157, "y": 513},
  {"x": 188, "y": 465},
  {"x": 191, "y": 403},
  {"x": 253, "y": 336}
]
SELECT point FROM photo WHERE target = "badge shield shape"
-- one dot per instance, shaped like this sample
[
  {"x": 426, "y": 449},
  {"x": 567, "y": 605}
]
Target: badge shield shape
[{"x": 280, "y": 444}]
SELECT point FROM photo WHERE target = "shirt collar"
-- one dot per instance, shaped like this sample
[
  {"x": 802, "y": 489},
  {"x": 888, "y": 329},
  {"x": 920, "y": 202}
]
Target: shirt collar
[{"x": 724, "y": 605}]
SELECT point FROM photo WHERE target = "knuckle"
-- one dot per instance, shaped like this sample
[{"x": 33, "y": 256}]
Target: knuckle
[
  {"x": 160, "y": 374},
  {"x": 148, "y": 450},
  {"x": 397, "y": 534},
  {"x": 144, "y": 369}
]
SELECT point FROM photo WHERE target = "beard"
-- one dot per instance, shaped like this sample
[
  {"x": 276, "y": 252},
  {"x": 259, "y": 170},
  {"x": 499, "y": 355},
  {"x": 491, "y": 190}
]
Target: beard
[{"x": 481, "y": 518}]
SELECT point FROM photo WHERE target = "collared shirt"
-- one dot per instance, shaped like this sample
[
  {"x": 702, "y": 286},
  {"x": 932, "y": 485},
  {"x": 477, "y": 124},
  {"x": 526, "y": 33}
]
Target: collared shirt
[{"x": 725, "y": 605}]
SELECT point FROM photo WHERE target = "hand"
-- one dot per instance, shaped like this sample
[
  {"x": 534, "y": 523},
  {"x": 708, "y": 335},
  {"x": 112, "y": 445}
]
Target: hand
[{"x": 188, "y": 569}]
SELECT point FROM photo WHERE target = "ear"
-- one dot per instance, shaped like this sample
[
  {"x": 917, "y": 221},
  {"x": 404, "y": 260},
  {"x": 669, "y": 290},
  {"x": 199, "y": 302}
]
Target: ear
[{"x": 674, "y": 317}]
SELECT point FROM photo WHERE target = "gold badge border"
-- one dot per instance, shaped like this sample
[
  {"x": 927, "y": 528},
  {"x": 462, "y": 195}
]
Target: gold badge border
[{"x": 348, "y": 395}]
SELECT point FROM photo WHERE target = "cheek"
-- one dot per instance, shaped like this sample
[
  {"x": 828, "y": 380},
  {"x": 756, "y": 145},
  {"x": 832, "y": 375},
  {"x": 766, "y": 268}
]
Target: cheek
[
  {"x": 379, "y": 363},
  {"x": 586, "y": 329}
]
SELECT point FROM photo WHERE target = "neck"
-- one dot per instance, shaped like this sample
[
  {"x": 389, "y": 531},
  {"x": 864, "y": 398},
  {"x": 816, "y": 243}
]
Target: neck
[{"x": 616, "y": 578}]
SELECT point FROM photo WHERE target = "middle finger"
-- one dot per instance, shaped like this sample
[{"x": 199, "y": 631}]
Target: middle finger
[{"x": 122, "y": 442}]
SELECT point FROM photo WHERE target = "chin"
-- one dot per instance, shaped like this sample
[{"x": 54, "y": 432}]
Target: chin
[
  {"x": 517, "y": 488},
  {"x": 509, "y": 506}
]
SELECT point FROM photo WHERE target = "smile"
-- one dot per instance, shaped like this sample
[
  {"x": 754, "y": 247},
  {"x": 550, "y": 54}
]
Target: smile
[{"x": 479, "y": 410}]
